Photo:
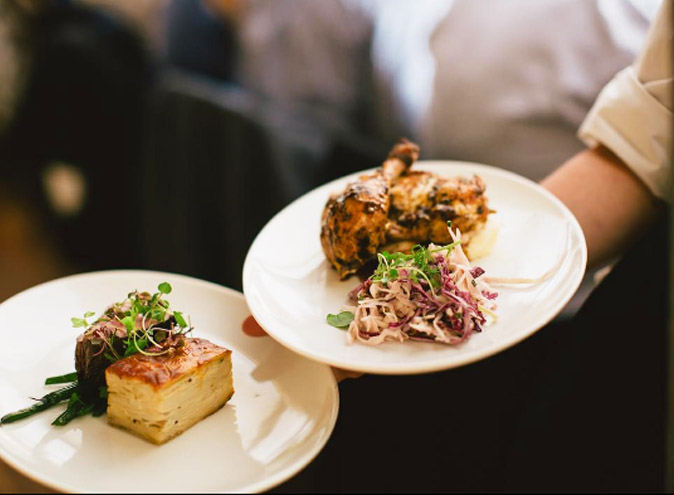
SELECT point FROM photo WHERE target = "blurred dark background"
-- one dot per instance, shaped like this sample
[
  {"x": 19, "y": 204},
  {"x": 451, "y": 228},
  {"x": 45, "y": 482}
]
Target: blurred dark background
[{"x": 125, "y": 150}]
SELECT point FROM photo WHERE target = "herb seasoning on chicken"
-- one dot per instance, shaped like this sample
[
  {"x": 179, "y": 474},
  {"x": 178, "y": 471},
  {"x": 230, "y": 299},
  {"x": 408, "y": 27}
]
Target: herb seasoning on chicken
[
  {"x": 355, "y": 222},
  {"x": 395, "y": 208}
]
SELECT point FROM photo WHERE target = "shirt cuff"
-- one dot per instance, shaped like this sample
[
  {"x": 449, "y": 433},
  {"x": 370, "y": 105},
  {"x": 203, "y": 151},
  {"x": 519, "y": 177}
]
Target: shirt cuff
[{"x": 635, "y": 126}]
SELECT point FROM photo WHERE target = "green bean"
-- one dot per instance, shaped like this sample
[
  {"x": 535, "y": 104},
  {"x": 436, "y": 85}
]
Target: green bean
[
  {"x": 99, "y": 408},
  {"x": 45, "y": 402},
  {"x": 76, "y": 407},
  {"x": 67, "y": 378}
]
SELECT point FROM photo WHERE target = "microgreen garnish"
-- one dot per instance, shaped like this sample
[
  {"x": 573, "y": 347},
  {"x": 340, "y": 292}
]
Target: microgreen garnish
[
  {"x": 430, "y": 294},
  {"x": 141, "y": 323},
  {"x": 165, "y": 288},
  {"x": 128, "y": 323},
  {"x": 180, "y": 319},
  {"x": 82, "y": 322},
  {"x": 417, "y": 266},
  {"x": 149, "y": 321},
  {"x": 148, "y": 324}
]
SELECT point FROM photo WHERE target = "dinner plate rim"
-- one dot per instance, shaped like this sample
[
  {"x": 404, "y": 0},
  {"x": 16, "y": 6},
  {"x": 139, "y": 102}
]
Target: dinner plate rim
[
  {"x": 430, "y": 366},
  {"x": 277, "y": 479}
]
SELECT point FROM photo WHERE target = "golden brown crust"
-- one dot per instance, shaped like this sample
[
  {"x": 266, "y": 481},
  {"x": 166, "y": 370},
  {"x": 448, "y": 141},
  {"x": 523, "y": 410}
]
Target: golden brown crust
[
  {"x": 398, "y": 207},
  {"x": 159, "y": 371},
  {"x": 354, "y": 223},
  {"x": 422, "y": 203}
]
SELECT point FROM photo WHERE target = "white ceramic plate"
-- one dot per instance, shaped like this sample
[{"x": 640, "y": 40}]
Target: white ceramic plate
[
  {"x": 283, "y": 410},
  {"x": 290, "y": 287}
]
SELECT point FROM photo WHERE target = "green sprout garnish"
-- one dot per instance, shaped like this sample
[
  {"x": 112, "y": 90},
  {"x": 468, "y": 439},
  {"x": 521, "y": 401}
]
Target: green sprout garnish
[
  {"x": 165, "y": 288},
  {"x": 416, "y": 265},
  {"x": 82, "y": 322},
  {"x": 142, "y": 315}
]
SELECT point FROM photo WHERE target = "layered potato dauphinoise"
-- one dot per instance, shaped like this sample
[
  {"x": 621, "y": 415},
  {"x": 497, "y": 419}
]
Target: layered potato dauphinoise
[{"x": 159, "y": 397}]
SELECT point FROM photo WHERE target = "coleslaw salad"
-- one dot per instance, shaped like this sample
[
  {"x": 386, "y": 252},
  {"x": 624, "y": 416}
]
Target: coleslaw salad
[{"x": 432, "y": 294}]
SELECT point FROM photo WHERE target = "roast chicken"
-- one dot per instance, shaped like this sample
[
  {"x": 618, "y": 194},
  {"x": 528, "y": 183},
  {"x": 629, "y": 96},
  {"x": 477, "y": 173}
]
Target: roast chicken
[
  {"x": 394, "y": 208},
  {"x": 422, "y": 203},
  {"x": 355, "y": 222}
]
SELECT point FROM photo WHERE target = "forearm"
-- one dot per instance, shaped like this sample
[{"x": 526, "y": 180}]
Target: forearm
[{"x": 611, "y": 204}]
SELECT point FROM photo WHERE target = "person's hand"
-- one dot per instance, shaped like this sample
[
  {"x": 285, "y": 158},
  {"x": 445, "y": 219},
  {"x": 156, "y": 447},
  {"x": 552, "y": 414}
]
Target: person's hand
[
  {"x": 251, "y": 327},
  {"x": 341, "y": 375}
]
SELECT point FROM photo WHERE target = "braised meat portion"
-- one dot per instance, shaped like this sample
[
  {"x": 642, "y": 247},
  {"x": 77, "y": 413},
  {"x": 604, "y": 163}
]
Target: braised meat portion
[
  {"x": 355, "y": 222},
  {"x": 104, "y": 342},
  {"x": 90, "y": 358}
]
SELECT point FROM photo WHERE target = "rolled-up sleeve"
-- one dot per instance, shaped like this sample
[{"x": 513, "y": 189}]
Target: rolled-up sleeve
[{"x": 632, "y": 115}]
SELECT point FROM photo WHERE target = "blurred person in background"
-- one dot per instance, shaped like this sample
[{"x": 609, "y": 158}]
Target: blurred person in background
[
  {"x": 366, "y": 72},
  {"x": 505, "y": 82}
]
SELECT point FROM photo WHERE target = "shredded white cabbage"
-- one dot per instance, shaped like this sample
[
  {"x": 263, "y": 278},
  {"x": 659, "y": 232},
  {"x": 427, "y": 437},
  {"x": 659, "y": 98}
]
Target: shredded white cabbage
[{"x": 431, "y": 295}]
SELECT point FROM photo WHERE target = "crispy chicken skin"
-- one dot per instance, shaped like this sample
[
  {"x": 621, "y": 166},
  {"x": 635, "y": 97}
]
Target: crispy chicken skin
[
  {"x": 422, "y": 203},
  {"x": 395, "y": 208},
  {"x": 355, "y": 222}
]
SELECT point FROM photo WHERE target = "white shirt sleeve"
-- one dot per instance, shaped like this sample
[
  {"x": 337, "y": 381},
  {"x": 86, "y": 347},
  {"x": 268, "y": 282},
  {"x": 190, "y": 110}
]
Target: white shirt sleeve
[{"x": 632, "y": 115}]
